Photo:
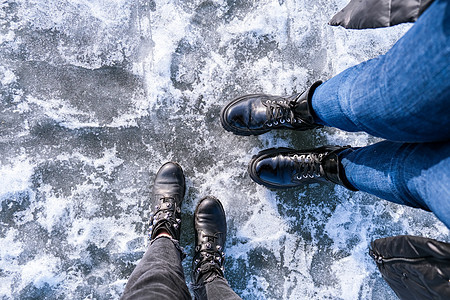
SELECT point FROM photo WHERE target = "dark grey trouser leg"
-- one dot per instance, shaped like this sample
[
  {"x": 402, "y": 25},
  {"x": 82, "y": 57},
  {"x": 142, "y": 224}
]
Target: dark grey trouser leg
[
  {"x": 218, "y": 289},
  {"x": 159, "y": 275}
]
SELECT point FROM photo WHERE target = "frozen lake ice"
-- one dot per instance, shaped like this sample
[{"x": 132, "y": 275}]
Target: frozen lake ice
[{"x": 96, "y": 95}]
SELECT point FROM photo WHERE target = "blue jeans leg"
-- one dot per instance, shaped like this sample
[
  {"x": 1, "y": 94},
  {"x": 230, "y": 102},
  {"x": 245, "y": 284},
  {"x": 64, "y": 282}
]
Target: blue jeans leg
[
  {"x": 403, "y": 95},
  {"x": 413, "y": 174}
]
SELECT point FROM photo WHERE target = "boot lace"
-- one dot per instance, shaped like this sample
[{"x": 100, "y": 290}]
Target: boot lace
[
  {"x": 308, "y": 165},
  {"x": 209, "y": 257},
  {"x": 166, "y": 215},
  {"x": 279, "y": 112}
]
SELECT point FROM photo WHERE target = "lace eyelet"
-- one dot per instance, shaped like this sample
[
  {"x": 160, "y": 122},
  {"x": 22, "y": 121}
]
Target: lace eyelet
[
  {"x": 275, "y": 123},
  {"x": 282, "y": 121},
  {"x": 269, "y": 124},
  {"x": 288, "y": 119}
]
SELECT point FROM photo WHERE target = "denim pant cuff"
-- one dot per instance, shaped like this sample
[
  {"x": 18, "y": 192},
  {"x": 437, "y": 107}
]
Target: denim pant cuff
[{"x": 174, "y": 241}]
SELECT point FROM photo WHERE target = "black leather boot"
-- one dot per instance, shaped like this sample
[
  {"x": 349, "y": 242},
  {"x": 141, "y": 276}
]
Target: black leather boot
[
  {"x": 167, "y": 196},
  {"x": 281, "y": 168},
  {"x": 259, "y": 113},
  {"x": 211, "y": 231}
]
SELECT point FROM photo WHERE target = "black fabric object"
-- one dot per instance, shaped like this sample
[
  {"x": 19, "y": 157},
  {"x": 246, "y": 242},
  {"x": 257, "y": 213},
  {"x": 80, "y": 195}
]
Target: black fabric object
[
  {"x": 414, "y": 267},
  {"x": 362, "y": 14}
]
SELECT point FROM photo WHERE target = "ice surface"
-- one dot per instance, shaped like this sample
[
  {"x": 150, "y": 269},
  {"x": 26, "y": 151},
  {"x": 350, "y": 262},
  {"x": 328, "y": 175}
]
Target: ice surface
[{"x": 96, "y": 95}]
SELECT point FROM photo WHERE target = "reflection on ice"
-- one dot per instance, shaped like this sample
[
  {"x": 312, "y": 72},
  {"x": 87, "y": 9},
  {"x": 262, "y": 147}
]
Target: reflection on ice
[{"x": 97, "y": 95}]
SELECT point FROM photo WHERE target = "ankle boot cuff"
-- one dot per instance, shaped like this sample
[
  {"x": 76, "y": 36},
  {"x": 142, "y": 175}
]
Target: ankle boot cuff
[
  {"x": 303, "y": 105},
  {"x": 334, "y": 171},
  {"x": 166, "y": 216},
  {"x": 309, "y": 98}
]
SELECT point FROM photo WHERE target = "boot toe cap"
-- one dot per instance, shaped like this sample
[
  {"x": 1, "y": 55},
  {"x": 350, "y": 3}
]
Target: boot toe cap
[
  {"x": 272, "y": 169},
  {"x": 170, "y": 171},
  {"x": 210, "y": 216},
  {"x": 244, "y": 115},
  {"x": 268, "y": 171},
  {"x": 237, "y": 115},
  {"x": 169, "y": 180}
]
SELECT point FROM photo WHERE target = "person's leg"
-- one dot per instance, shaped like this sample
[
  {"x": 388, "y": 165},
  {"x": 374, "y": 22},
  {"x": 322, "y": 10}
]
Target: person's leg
[
  {"x": 416, "y": 175},
  {"x": 403, "y": 95},
  {"x": 159, "y": 275},
  {"x": 218, "y": 289}
]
